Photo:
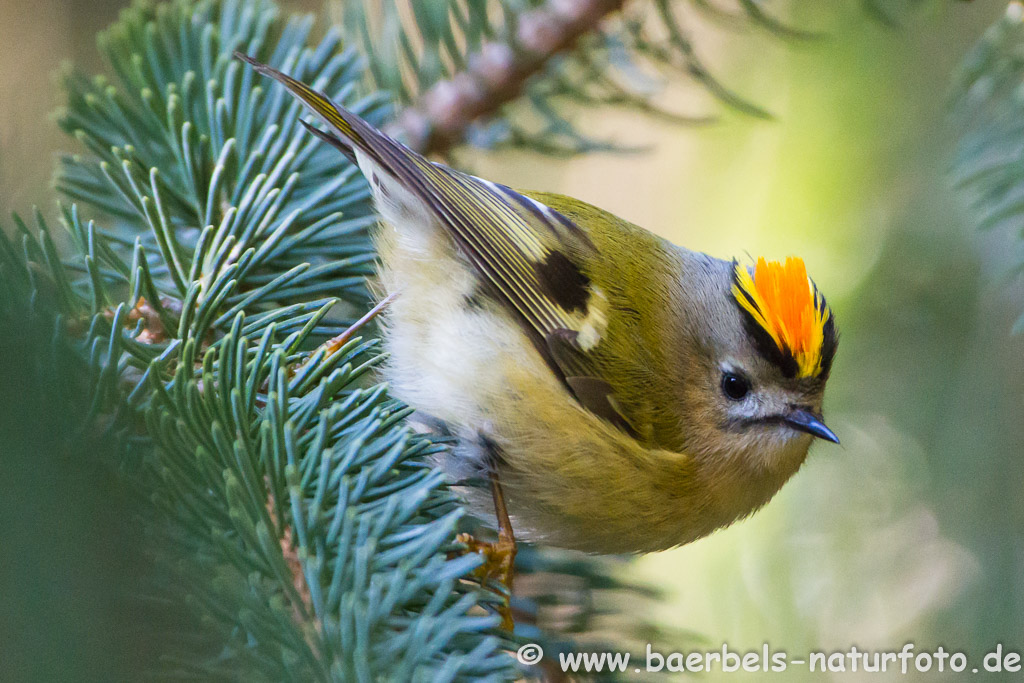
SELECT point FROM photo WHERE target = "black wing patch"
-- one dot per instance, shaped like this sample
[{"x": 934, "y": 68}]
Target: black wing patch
[{"x": 563, "y": 282}]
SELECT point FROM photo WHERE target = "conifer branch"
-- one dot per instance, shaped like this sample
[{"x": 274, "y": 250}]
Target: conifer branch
[
  {"x": 497, "y": 73},
  {"x": 458, "y": 66},
  {"x": 217, "y": 256}
]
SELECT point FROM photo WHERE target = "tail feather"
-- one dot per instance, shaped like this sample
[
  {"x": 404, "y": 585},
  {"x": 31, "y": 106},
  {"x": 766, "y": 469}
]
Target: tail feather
[
  {"x": 371, "y": 149},
  {"x": 350, "y": 132},
  {"x": 332, "y": 140}
]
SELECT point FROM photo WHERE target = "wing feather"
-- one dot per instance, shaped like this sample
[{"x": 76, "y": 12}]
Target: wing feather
[{"x": 532, "y": 255}]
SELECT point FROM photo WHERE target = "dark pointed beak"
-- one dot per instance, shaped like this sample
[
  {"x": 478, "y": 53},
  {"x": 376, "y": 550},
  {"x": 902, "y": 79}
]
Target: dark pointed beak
[{"x": 806, "y": 421}]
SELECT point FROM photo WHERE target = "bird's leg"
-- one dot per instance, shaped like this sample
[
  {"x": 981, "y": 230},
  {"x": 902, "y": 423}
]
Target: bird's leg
[
  {"x": 499, "y": 557},
  {"x": 505, "y": 549}
]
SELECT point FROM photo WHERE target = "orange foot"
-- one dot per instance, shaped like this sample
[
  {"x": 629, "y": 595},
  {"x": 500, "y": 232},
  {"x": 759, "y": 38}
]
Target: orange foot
[{"x": 499, "y": 560}]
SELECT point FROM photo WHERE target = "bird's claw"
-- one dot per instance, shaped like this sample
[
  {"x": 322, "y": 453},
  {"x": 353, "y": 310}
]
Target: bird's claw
[{"x": 499, "y": 565}]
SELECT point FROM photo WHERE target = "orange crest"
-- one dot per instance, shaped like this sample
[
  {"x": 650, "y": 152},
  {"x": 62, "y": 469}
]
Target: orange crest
[{"x": 786, "y": 310}]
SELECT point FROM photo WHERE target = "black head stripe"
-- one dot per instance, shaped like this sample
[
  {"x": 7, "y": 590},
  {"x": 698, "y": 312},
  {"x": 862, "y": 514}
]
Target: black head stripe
[
  {"x": 829, "y": 344},
  {"x": 767, "y": 348}
]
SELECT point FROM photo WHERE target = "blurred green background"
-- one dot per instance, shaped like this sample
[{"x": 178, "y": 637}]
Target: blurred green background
[{"x": 911, "y": 531}]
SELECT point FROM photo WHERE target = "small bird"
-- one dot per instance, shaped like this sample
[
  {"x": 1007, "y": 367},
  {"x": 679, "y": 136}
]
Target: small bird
[{"x": 622, "y": 394}]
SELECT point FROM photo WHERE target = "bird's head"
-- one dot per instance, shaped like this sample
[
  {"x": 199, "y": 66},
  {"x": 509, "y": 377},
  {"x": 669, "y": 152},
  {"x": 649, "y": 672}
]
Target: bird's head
[{"x": 763, "y": 356}]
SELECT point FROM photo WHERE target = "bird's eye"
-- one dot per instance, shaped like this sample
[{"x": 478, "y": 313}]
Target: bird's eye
[{"x": 735, "y": 386}]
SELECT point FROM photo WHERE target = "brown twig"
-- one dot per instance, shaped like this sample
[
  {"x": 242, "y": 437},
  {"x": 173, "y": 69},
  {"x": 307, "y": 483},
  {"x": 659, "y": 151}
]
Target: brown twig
[
  {"x": 497, "y": 73},
  {"x": 302, "y": 600},
  {"x": 334, "y": 343},
  {"x": 153, "y": 331}
]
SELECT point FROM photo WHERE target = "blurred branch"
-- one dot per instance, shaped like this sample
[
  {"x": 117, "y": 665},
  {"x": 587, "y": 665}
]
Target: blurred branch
[
  {"x": 455, "y": 66},
  {"x": 497, "y": 72},
  {"x": 988, "y": 113}
]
